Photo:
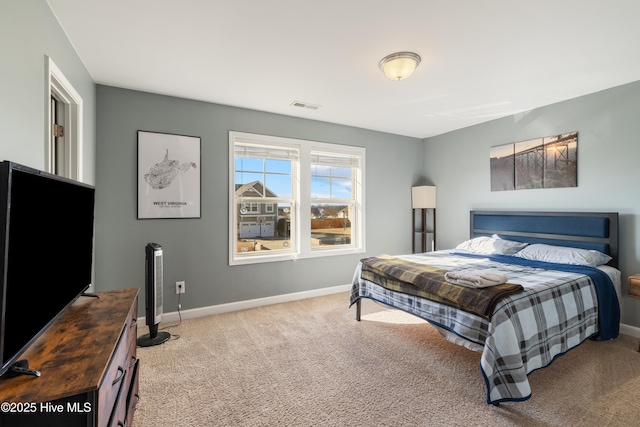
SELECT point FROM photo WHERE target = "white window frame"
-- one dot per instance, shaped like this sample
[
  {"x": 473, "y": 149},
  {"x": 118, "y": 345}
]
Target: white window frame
[
  {"x": 58, "y": 86},
  {"x": 302, "y": 195}
]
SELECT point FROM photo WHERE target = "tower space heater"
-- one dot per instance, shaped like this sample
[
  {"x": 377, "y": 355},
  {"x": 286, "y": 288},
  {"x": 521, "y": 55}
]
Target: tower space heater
[{"x": 153, "y": 298}]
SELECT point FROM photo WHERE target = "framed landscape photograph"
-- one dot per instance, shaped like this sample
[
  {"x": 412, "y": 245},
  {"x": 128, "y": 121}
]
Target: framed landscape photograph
[
  {"x": 168, "y": 176},
  {"x": 549, "y": 162}
]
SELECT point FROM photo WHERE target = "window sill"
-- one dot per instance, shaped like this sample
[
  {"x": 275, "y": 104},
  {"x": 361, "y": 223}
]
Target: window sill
[{"x": 293, "y": 257}]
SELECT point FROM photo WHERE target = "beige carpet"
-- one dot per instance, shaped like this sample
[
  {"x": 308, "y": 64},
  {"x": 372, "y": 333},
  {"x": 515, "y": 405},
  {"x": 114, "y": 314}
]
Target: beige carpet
[{"x": 309, "y": 363}]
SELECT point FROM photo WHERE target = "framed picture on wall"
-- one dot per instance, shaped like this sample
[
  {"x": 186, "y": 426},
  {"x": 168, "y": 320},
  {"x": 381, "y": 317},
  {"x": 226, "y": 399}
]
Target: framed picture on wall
[
  {"x": 549, "y": 162},
  {"x": 168, "y": 176}
]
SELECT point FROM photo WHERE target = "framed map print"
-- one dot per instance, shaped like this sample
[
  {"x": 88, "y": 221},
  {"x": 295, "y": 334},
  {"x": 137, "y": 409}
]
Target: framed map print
[{"x": 168, "y": 176}]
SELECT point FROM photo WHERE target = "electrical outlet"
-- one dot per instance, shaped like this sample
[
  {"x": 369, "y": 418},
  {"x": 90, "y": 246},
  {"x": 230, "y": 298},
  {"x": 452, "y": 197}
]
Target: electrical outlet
[{"x": 180, "y": 287}]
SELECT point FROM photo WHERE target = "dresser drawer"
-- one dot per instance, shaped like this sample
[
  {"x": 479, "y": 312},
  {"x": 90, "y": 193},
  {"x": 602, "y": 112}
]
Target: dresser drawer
[
  {"x": 113, "y": 381},
  {"x": 132, "y": 397},
  {"x": 131, "y": 329}
]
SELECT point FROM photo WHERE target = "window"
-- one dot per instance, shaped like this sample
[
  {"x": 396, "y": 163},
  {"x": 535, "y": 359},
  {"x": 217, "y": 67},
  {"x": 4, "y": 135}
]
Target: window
[
  {"x": 293, "y": 199},
  {"x": 332, "y": 202}
]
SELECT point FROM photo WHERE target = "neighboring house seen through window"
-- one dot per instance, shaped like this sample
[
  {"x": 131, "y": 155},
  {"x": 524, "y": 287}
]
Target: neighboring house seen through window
[{"x": 293, "y": 198}]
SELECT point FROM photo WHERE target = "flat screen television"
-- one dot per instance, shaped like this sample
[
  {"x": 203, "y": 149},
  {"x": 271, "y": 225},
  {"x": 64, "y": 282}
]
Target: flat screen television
[{"x": 46, "y": 253}]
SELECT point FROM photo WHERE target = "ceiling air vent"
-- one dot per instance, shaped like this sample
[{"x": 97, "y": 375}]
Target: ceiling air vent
[{"x": 305, "y": 105}]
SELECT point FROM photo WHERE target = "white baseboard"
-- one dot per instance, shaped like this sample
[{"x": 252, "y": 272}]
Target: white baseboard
[
  {"x": 630, "y": 330},
  {"x": 243, "y": 305},
  {"x": 259, "y": 302}
]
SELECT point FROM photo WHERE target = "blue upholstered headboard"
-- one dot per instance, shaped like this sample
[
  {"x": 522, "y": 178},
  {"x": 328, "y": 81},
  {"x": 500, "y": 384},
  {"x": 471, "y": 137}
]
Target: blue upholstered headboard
[{"x": 585, "y": 230}]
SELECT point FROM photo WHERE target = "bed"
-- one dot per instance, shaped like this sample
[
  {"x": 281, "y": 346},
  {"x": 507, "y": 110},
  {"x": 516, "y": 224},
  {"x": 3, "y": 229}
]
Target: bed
[{"x": 562, "y": 287}]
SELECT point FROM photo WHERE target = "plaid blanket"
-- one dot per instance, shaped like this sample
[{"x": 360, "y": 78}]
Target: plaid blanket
[
  {"x": 428, "y": 282},
  {"x": 557, "y": 311}
]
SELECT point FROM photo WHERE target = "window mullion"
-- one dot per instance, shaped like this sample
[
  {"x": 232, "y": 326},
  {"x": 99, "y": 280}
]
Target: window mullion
[{"x": 304, "y": 234}]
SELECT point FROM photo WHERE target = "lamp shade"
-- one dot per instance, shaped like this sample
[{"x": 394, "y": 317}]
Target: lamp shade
[
  {"x": 423, "y": 197},
  {"x": 400, "y": 65}
]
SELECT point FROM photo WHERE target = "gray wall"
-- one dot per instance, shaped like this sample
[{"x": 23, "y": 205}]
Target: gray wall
[
  {"x": 608, "y": 128},
  {"x": 28, "y": 33},
  {"x": 196, "y": 250}
]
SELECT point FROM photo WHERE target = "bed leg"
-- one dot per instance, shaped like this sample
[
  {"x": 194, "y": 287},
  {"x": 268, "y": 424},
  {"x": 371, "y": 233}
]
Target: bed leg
[{"x": 358, "y": 309}]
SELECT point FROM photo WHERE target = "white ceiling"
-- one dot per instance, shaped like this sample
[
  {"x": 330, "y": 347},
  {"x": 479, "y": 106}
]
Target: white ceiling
[{"x": 481, "y": 60}]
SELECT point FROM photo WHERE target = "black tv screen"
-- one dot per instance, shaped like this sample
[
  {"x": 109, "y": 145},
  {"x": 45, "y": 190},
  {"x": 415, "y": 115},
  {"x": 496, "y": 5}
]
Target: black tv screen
[{"x": 46, "y": 254}]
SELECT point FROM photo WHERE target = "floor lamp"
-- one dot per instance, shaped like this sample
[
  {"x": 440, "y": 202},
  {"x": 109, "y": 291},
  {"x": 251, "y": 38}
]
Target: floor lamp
[{"x": 424, "y": 198}]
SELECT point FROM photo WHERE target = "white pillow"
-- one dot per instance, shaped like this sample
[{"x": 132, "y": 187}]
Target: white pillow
[
  {"x": 564, "y": 255},
  {"x": 491, "y": 245}
]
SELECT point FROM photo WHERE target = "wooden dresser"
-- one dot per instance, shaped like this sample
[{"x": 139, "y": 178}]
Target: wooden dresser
[{"x": 88, "y": 364}]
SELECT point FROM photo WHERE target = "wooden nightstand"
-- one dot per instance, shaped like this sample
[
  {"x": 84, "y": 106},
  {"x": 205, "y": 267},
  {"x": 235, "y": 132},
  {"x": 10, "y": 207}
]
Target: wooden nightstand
[
  {"x": 634, "y": 289},
  {"x": 634, "y": 286}
]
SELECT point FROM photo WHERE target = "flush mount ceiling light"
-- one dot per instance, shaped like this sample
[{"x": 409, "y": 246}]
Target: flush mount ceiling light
[{"x": 399, "y": 65}]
